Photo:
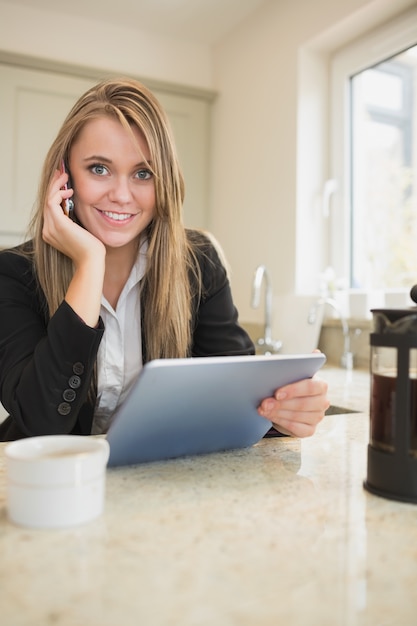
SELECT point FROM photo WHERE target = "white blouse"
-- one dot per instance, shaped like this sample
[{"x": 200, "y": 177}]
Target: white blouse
[{"x": 119, "y": 359}]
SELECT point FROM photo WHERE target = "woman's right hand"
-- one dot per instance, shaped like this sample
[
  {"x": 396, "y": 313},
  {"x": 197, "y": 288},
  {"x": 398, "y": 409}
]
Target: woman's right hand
[
  {"x": 63, "y": 233},
  {"x": 86, "y": 251}
]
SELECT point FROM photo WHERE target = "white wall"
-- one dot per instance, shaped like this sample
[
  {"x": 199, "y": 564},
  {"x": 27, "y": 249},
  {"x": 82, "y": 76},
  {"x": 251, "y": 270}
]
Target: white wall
[
  {"x": 32, "y": 31},
  {"x": 268, "y": 163}
]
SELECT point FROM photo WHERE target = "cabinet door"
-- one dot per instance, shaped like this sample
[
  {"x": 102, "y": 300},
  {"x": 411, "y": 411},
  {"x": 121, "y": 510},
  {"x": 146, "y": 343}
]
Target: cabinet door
[
  {"x": 34, "y": 103},
  {"x": 190, "y": 121}
]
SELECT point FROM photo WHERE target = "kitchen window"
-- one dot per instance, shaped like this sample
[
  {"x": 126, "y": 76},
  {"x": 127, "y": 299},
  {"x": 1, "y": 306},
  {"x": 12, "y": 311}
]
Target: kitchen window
[
  {"x": 373, "y": 221},
  {"x": 383, "y": 174}
]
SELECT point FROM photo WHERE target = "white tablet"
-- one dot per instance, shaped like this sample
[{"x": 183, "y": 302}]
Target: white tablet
[{"x": 181, "y": 407}]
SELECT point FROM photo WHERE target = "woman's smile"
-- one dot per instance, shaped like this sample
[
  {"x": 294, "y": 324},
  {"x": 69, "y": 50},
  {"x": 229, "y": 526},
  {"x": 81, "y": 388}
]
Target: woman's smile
[{"x": 118, "y": 217}]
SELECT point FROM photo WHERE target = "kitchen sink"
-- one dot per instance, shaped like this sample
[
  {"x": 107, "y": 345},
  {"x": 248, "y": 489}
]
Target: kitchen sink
[{"x": 338, "y": 410}]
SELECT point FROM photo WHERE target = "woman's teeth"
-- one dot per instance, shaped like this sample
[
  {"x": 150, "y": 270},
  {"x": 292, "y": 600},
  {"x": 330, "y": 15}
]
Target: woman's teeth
[{"x": 117, "y": 216}]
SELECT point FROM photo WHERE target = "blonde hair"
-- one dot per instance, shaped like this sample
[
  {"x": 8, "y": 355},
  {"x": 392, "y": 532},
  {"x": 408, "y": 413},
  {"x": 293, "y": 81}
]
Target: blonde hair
[{"x": 166, "y": 287}]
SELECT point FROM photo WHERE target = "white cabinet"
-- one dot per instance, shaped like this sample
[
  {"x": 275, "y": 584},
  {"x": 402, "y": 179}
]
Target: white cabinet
[{"x": 190, "y": 121}]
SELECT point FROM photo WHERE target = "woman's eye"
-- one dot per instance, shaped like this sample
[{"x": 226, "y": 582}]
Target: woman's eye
[
  {"x": 100, "y": 170},
  {"x": 144, "y": 174}
]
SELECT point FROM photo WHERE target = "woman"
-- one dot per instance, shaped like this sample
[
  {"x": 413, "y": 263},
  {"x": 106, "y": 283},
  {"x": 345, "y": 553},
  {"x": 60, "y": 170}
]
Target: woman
[{"x": 85, "y": 301}]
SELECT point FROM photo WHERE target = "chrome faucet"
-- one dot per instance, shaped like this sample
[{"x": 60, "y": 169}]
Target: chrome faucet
[
  {"x": 346, "y": 360},
  {"x": 264, "y": 344}
]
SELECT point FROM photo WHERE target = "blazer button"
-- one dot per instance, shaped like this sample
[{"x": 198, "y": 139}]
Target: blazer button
[
  {"x": 64, "y": 408},
  {"x": 78, "y": 368},
  {"x": 69, "y": 395},
  {"x": 74, "y": 382}
]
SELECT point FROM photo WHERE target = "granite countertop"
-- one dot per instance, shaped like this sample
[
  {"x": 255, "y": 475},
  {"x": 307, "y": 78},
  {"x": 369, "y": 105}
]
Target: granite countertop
[
  {"x": 281, "y": 533},
  {"x": 349, "y": 388}
]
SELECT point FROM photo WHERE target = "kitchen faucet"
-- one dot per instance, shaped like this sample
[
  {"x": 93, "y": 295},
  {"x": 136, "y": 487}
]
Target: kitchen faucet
[{"x": 265, "y": 344}]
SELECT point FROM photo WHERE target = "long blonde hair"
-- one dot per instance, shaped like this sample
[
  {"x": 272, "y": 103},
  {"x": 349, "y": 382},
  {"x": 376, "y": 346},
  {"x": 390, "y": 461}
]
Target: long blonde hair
[{"x": 167, "y": 294}]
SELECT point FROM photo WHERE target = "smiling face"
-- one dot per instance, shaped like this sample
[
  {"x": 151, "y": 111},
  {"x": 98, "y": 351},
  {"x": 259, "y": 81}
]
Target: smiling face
[{"x": 114, "y": 190}]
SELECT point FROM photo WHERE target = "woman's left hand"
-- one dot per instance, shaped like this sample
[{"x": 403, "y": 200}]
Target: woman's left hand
[{"x": 296, "y": 409}]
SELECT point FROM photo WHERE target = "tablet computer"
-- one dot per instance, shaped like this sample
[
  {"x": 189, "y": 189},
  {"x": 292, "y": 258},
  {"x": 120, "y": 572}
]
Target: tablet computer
[{"x": 181, "y": 407}]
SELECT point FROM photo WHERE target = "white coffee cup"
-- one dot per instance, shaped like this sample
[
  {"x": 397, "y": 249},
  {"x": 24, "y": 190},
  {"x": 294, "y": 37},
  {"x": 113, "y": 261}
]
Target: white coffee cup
[{"x": 56, "y": 481}]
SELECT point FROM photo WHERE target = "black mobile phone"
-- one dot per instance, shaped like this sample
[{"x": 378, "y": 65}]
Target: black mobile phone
[{"x": 67, "y": 204}]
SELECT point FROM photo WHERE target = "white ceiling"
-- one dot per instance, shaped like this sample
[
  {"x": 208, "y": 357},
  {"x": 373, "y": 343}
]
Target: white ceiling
[{"x": 203, "y": 21}]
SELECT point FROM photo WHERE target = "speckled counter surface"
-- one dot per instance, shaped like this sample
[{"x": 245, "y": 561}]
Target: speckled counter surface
[
  {"x": 348, "y": 388},
  {"x": 282, "y": 533}
]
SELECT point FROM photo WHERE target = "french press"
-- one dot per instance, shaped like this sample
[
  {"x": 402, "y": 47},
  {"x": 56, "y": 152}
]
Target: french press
[{"x": 392, "y": 449}]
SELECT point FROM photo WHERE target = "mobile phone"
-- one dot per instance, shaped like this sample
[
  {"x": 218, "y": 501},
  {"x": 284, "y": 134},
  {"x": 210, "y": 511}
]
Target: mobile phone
[{"x": 67, "y": 204}]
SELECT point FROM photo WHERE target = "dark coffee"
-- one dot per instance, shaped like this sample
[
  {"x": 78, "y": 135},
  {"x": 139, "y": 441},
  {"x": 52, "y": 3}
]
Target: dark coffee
[{"x": 383, "y": 400}]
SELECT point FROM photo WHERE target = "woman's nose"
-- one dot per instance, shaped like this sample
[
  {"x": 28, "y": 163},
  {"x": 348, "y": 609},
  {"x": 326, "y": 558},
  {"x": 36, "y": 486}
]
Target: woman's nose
[{"x": 120, "y": 191}]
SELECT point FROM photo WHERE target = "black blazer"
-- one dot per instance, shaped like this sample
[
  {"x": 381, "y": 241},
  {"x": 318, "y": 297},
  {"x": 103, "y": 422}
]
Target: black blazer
[{"x": 46, "y": 364}]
